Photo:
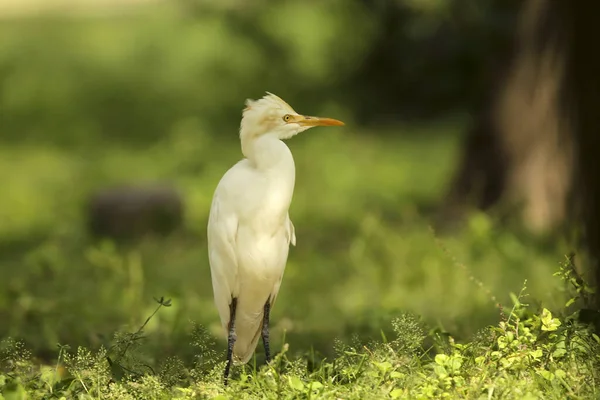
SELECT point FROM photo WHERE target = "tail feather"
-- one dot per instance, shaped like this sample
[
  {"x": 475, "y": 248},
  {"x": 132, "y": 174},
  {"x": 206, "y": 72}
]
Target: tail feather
[{"x": 247, "y": 336}]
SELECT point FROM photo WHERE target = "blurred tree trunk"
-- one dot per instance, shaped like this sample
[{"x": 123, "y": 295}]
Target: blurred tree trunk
[
  {"x": 535, "y": 142},
  {"x": 519, "y": 149}
]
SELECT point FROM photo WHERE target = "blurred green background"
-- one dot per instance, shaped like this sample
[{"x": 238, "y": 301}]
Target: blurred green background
[{"x": 154, "y": 93}]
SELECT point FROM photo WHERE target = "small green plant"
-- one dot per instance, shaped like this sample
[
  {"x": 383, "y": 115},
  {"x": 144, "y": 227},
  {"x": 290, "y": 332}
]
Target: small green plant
[
  {"x": 119, "y": 355},
  {"x": 581, "y": 296}
]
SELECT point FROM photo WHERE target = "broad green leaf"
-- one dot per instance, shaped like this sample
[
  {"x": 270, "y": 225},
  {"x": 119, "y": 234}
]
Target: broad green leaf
[
  {"x": 441, "y": 359},
  {"x": 296, "y": 383}
]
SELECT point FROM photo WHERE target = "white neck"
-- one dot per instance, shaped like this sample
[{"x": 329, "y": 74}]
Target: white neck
[
  {"x": 268, "y": 152},
  {"x": 273, "y": 161}
]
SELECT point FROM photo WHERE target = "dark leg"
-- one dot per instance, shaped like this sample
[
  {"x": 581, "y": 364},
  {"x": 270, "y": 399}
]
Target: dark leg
[
  {"x": 265, "y": 330},
  {"x": 231, "y": 337}
]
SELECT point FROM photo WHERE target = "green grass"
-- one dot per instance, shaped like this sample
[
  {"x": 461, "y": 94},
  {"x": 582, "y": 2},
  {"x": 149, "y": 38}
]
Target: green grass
[
  {"x": 530, "y": 354},
  {"x": 365, "y": 256}
]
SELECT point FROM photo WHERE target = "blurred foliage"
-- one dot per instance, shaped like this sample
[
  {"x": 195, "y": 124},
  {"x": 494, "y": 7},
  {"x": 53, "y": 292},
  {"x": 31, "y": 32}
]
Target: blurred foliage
[
  {"x": 137, "y": 77},
  {"x": 364, "y": 251}
]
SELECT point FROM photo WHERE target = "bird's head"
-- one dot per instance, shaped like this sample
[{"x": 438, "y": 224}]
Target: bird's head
[{"x": 272, "y": 115}]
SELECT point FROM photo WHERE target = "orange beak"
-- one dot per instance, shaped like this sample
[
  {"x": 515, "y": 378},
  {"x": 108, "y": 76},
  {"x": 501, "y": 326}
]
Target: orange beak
[{"x": 306, "y": 120}]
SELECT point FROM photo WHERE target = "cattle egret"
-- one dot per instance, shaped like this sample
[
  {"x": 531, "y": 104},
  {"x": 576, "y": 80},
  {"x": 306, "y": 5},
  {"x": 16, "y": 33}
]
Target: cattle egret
[{"x": 249, "y": 228}]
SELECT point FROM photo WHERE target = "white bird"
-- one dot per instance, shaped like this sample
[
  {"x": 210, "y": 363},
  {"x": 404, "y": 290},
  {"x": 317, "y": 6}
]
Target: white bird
[{"x": 249, "y": 228}]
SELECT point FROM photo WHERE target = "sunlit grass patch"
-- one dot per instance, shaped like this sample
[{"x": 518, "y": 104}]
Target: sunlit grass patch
[{"x": 531, "y": 353}]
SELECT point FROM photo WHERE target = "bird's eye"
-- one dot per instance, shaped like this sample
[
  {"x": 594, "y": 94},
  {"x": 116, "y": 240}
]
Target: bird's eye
[{"x": 287, "y": 117}]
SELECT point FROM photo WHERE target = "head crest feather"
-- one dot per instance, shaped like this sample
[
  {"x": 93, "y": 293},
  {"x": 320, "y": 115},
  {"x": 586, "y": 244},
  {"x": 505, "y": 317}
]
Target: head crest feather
[{"x": 269, "y": 99}]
